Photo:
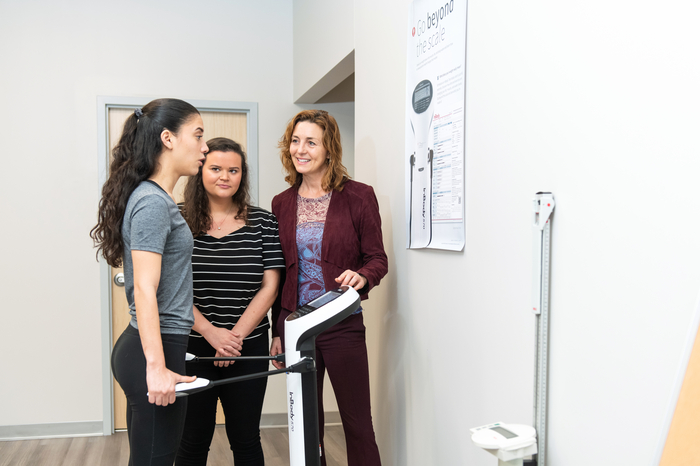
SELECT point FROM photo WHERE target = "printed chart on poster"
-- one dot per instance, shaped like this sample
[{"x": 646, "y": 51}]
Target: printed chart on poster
[{"x": 435, "y": 87}]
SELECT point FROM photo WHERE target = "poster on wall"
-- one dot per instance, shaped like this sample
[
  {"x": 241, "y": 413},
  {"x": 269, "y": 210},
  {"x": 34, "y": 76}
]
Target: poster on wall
[{"x": 435, "y": 92}]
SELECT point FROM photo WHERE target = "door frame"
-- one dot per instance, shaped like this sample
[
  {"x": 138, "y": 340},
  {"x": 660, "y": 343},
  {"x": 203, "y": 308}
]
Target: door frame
[{"x": 104, "y": 104}]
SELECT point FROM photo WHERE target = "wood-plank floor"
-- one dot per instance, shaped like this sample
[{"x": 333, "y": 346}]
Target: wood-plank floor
[{"x": 113, "y": 450}]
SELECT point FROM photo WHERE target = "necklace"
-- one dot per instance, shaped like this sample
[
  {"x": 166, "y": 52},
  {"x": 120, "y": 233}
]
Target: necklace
[{"x": 222, "y": 222}]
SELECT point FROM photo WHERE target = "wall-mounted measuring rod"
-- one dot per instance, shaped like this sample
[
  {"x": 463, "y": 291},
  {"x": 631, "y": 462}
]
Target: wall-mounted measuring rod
[{"x": 543, "y": 206}]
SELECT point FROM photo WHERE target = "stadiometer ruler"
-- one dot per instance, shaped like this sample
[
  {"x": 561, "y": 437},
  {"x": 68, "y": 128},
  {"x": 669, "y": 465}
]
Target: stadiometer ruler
[{"x": 543, "y": 206}]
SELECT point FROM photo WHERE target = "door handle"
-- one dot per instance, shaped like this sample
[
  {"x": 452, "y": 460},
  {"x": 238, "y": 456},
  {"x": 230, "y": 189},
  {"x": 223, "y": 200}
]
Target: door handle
[{"x": 119, "y": 279}]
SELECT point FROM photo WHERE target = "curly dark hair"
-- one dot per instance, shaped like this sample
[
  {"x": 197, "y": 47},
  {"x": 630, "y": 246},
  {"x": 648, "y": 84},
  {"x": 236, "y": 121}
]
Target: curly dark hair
[
  {"x": 196, "y": 206},
  {"x": 337, "y": 174},
  {"x": 135, "y": 159}
]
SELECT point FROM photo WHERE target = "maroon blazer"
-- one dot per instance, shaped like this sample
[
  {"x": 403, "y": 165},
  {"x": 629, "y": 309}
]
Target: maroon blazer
[{"x": 352, "y": 239}]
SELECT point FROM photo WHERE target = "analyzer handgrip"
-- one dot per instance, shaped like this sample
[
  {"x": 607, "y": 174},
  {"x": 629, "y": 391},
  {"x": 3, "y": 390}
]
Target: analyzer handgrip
[{"x": 187, "y": 388}]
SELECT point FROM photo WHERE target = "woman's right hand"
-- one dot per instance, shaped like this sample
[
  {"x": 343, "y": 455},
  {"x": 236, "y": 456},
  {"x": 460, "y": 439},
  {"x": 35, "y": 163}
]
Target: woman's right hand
[
  {"x": 224, "y": 341},
  {"x": 275, "y": 349},
  {"x": 161, "y": 384}
]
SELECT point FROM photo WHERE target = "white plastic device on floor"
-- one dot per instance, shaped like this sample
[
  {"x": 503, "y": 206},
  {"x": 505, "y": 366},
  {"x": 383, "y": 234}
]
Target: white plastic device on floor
[{"x": 510, "y": 443}]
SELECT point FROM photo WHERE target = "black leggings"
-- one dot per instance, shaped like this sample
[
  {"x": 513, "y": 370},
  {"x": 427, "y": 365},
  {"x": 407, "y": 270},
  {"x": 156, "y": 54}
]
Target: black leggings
[
  {"x": 154, "y": 431},
  {"x": 242, "y": 403}
]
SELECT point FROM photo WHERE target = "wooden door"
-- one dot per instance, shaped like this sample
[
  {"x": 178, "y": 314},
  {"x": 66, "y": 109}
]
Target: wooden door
[
  {"x": 216, "y": 124},
  {"x": 682, "y": 446}
]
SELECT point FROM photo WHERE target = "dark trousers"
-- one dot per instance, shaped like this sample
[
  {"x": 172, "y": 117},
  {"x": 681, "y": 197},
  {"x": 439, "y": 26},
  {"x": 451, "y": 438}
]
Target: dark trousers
[
  {"x": 153, "y": 431},
  {"x": 242, "y": 403},
  {"x": 343, "y": 352}
]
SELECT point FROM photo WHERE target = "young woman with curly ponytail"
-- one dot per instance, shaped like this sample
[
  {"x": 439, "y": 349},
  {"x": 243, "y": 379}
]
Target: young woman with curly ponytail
[{"x": 140, "y": 226}]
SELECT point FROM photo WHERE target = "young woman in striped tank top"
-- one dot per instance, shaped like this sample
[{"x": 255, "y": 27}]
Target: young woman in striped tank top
[{"x": 235, "y": 267}]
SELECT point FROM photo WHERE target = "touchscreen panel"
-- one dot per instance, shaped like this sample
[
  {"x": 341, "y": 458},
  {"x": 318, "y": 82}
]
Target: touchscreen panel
[{"x": 323, "y": 299}]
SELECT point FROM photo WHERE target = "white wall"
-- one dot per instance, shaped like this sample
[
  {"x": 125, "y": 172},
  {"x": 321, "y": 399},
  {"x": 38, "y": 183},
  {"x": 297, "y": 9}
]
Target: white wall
[
  {"x": 57, "y": 58},
  {"x": 596, "y": 102},
  {"x": 323, "y": 38}
]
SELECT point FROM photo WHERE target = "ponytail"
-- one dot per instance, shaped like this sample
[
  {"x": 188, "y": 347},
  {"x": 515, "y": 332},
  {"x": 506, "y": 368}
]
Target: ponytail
[{"x": 135, "y": 158}]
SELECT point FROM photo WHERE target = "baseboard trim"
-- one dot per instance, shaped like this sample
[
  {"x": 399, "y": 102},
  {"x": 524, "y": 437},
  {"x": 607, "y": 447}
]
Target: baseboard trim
[
  {"x": 55, "y": 430},
  {"x": 94, "y": 428},
  {"x": 280, "y": 419}
]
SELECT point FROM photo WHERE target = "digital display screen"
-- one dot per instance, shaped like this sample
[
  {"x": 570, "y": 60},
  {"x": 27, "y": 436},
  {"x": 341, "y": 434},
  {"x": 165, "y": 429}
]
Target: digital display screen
[
  {"x": 324, "y": 299},
  {"x": 504, "y": 432},
  {"x": 421, "y": 94}
]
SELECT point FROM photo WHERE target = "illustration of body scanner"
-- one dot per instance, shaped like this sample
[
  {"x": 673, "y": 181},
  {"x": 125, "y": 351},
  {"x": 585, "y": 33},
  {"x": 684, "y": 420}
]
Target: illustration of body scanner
[{"x": 421, "y": 166}]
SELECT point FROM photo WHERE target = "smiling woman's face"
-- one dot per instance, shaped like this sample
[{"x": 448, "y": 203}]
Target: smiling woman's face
[
  {"x": 306, "y": 148},
  {"x": 221, "y": 174}
]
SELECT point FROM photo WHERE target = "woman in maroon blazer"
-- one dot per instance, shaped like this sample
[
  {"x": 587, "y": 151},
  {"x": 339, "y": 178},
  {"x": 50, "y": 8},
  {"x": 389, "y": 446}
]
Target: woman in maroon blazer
[{"x": 330, "y": 230}]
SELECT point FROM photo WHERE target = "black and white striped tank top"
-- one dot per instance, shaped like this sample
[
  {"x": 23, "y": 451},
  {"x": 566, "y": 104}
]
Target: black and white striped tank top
[{"x": 227, "y": 272}]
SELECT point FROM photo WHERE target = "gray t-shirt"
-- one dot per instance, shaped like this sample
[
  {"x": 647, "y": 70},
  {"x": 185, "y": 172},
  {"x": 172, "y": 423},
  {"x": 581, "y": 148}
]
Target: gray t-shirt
[{"x": 152, "y": 222}]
